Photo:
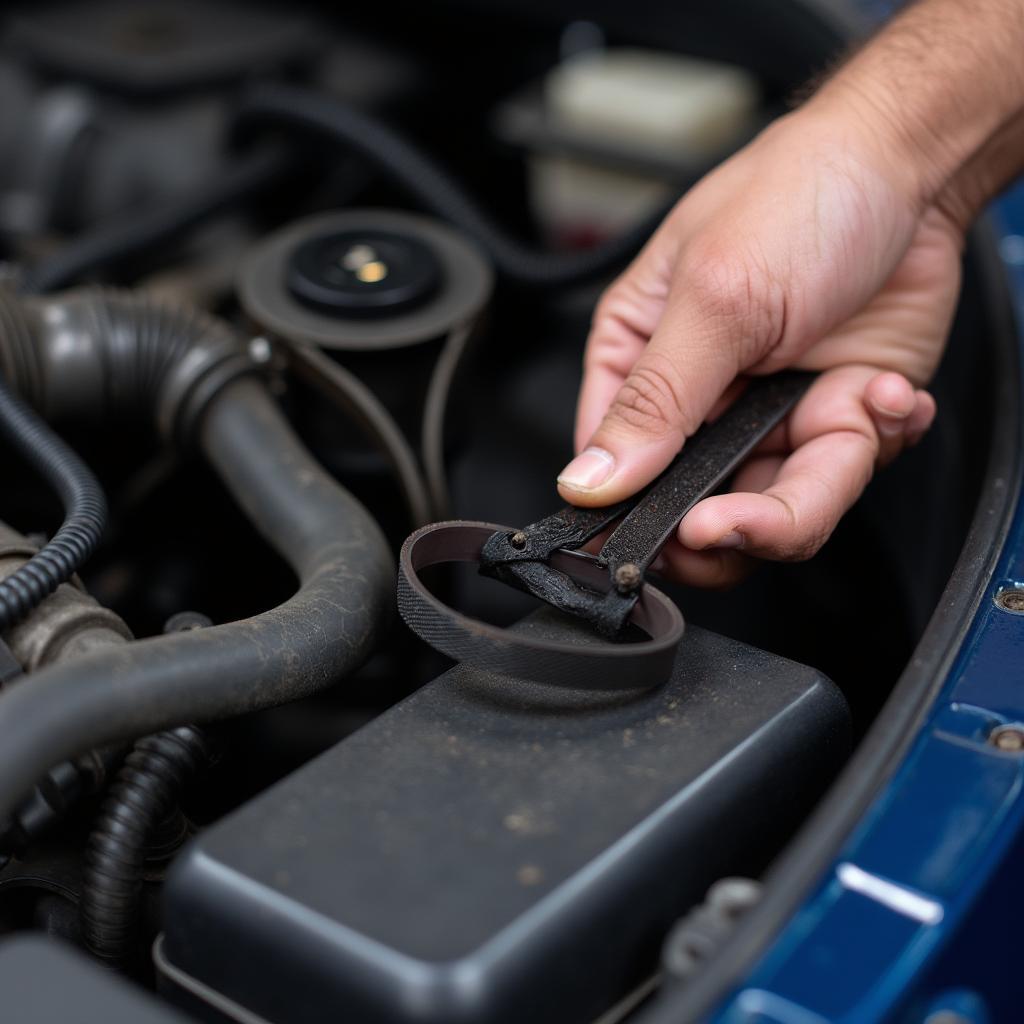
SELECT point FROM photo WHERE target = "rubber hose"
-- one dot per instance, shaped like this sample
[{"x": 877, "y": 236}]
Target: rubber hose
[
  {"x": 139, "y": 230},
  {"x": 433, "y": 188},
  {"x": 106, "y": 353},
  {"x": 145, "y": 792},
  {"x": 337, "y": 617},
  {"x": 85, "y": 510}
]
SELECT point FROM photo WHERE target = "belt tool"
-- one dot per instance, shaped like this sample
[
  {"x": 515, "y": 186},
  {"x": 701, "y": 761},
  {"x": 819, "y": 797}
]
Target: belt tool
[{"x": 606, "y": 590}]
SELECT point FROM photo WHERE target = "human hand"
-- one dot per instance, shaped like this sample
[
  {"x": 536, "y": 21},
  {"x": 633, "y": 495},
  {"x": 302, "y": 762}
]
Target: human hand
[{"x": 819, "y": 246}]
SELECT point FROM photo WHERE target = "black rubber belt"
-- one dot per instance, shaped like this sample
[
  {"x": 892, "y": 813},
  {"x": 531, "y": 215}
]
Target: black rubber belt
[
  {"x": 607, "y": 590},
  {"x": 580, "y": 666}
]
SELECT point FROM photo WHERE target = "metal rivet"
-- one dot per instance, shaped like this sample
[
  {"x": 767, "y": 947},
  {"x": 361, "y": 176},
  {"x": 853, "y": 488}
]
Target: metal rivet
[
  {"x": 260, "y": 350},
  {"x": 1007, "y": 737},
  {"x": 518, "y": 540},
  {"x": 628, "y": 577}
]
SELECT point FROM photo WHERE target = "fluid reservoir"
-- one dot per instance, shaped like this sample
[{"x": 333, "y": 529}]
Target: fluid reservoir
[{"x": 614, "y": 130}]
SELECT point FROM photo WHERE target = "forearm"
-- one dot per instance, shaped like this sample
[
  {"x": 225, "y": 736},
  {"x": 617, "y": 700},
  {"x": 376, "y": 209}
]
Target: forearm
[{"x": 940, "y": 90}]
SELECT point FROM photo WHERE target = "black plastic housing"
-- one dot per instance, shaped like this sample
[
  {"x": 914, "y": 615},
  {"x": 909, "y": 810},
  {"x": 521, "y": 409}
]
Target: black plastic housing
[
  {"x": 491, "y": 850},
  {"x": 44, "y": 981}
]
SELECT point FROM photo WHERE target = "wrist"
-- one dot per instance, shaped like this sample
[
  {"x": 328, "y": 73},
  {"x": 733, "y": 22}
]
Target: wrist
[{"x": 931, "y": 91}]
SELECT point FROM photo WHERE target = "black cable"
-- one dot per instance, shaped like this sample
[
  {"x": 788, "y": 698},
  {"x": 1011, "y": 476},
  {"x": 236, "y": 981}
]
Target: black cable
[
  {"x": 136, "y": 231},
  {"x": 433, "y": 188},
  {"x": 145, "y": 792},
  {"x": 85, "y": 510}
]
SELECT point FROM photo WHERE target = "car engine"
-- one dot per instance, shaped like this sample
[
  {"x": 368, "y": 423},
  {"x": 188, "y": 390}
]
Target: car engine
[{"x": 282, "y": 285}]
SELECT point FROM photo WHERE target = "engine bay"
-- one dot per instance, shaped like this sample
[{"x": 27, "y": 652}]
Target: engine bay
[{"x": 280, "y": 286}]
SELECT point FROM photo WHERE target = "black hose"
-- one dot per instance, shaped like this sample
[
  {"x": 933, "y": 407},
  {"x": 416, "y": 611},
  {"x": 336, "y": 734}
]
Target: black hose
[
  {"x": 137, "y": 231},
  {"x": 104, "y": 353},
  {"x": 146, "y": 791},
  {"x": 337, "y": 617},
  {"x": 85, "y": 510},
  {"x": 433, "y": 188}
]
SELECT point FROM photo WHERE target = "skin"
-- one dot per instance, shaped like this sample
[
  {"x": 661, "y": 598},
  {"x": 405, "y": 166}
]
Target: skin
[{"x": 832, "y": 242}]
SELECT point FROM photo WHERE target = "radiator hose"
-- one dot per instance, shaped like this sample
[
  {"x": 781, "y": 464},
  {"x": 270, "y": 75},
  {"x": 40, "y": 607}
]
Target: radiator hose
[{"x": 103, "y": 353}]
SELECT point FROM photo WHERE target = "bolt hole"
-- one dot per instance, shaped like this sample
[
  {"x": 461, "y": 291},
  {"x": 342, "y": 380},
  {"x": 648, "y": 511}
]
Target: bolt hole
[
  {"x": 1009, "y": 738},
  {"x": 1011, "y": 599}
]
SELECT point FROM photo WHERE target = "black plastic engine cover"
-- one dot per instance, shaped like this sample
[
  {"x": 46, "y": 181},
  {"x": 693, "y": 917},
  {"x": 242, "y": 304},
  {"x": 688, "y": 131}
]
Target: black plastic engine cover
[
  {"x": 486, "y": 851},
  {"x": 45, "y": 981}
]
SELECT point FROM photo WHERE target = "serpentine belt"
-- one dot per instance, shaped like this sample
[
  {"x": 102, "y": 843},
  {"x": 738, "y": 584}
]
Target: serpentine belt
[{"x": 607, "y": 590}]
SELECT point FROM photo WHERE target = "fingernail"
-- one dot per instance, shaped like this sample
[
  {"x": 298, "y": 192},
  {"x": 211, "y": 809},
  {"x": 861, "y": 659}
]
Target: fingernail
[
  {"x": 733, "y": 539},
  {"x": 591, "y": 468},
  {"x": 890, "y": 429}
]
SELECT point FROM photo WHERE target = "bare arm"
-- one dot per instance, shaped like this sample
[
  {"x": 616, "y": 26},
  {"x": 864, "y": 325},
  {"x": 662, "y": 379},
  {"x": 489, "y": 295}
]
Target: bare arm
[{"x": 831, "y": 242}]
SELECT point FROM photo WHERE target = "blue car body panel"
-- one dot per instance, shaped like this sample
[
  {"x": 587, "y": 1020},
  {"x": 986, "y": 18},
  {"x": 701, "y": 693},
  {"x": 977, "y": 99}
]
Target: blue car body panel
[{"x": 922, "y": 910}]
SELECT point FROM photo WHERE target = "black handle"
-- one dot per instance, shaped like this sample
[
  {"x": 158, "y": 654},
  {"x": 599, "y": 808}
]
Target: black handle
[{"x": 650, "y": 517}]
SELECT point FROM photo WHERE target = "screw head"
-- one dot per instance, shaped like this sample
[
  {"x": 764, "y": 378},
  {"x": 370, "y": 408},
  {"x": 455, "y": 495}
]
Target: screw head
[
  {"x": 628, "y": 577},
  {"x": 518, "y": 540},
  {"x": 1009, "y": 738}
]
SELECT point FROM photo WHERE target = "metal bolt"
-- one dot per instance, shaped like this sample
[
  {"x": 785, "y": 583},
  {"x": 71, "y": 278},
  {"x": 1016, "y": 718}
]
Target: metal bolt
[
  {"x": 260, "y": 350},
  {"x": 628, "y": 577},
  {"x": 1007, "y": 737},
  {"x": 183, "y": 622},
  {"x": 518, "y": 540}
]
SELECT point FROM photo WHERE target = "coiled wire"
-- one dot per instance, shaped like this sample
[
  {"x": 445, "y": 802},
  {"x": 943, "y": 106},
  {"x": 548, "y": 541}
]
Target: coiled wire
[
  {"x": 145, "y": 792},
  {"x": 85, "y": 510}
]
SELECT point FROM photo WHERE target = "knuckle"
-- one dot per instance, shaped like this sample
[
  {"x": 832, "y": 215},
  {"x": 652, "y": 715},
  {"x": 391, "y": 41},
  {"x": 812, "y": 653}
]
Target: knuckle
[
  {"x": 649, "y": 400},
  {"x": 610, "y": 305},
  {"x": 721, "y": 281},
  {"x": 803, "y": 535},
  {"x": 733, "y": 288}
]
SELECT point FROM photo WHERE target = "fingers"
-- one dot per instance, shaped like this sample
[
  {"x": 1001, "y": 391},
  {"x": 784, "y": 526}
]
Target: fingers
[
  {"x": 900, "y": 414},
  {"x": 624, "y": 320},
  {"x": 710, "y": 570},
  {"x": 709, "y": 328},
  {"x": 787, "y": 508}
]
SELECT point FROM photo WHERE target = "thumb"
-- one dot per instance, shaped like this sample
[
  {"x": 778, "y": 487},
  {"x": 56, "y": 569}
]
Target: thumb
[{"x": 699, "y": 347}]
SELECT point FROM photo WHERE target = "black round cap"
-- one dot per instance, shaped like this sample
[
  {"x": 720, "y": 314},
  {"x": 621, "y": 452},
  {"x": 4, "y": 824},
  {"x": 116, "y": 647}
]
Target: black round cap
[{"x": 363, "y": 273}]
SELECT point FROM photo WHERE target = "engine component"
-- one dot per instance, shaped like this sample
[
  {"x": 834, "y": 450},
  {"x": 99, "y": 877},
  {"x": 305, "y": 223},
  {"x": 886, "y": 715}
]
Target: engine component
[
  {"x": 631, "y": 665},
  {"x": 119, "y": 239},
  {"x": 66, "y": 625},
  {"x": 325, "y": 630},
  {"x": 372, "y": 281},
  {"x": 488, "y": 852},
  {"x": 144, "y": 793},
  {"x": 163, "y": 46},
  {"x": 364, "y": 280},
  {"x": 85, "y": 507},
  {"x": 613, "y": 133},
  {"x": 417, "y": 173},
  {"x": 107, "y": 353},
  {"x": 47, "y": 982},
  {"x": 102, "y": 100}
]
